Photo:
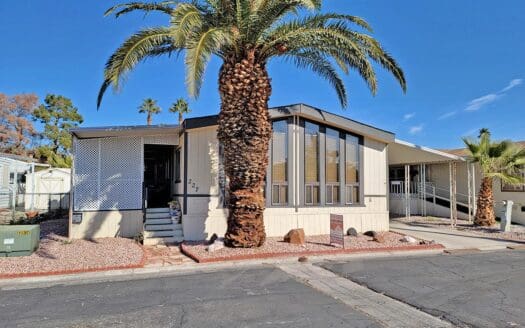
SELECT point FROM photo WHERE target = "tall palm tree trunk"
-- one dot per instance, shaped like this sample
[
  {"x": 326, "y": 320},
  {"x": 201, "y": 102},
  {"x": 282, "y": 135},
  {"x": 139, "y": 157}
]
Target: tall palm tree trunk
[
  {"x": 485, "y": 212},
  {"x": 244, "y": 132},
  {"x": 148, "y": 119},
  {"x": 180, "y": 119}
]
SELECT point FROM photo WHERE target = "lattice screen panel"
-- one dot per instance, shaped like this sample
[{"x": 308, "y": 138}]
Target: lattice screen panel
[
  {"x": 108, "y": 173},
  {"x": 85, "y": 180}
]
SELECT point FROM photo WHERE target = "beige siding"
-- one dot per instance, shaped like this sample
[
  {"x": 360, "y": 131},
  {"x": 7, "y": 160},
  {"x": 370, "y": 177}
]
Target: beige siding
[
  {"x": 375, "y": 169},
  {"x": 108, "y": 224},
  {"x": 203, "y": 161}
]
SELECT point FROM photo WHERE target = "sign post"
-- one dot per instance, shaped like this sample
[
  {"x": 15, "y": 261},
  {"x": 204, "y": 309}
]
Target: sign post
[{"x": 337, "y": 236}]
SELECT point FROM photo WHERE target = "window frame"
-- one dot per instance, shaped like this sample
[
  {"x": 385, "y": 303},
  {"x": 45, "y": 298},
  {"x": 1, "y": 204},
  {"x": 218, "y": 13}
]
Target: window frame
[
  {"x": 357, "y": 184},
  {"x": 317, "y": 183},
  {"x": 286, "y": 183}
]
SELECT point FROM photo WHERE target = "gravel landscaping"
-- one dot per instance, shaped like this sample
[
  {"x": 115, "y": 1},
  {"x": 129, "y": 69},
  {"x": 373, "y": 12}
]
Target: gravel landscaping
[
  {"x": 57, "y": 254},
  {"x": 315, "y": 245},
  {"x": 517, "y": 232}
]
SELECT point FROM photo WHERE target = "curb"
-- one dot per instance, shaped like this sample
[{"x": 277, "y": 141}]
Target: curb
[{"x": 187, "y": 252}]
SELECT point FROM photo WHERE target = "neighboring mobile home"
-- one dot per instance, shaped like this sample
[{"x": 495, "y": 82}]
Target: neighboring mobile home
[
  {"x": 502, "y": 191},
  {"x": 320, "y": 163}
]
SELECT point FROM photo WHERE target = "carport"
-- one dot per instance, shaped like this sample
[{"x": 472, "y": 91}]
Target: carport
[{"x": 422, "y": 180}]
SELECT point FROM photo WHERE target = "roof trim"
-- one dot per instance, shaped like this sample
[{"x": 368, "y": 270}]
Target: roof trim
[
  {"x": 308, "y": 112},
  {"x": 123, "y": 130},
  {"x": 301, "y": 110}
]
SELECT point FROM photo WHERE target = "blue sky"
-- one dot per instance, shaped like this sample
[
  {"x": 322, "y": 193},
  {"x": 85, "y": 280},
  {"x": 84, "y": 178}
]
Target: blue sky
[{"x": 464, "y": 62}]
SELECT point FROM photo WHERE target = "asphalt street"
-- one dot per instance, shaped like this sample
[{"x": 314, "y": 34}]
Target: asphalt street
[
  {"x": 473, "y": 290},
  {"x": 265, "y": 297}
]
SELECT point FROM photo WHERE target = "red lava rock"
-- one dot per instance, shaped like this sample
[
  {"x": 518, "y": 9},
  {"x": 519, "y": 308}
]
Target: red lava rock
[{"x": 295, "y": 237}]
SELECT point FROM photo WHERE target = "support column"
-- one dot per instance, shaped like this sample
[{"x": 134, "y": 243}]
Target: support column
[
  {"x": 469, "y": 179},
  {"x": 407, "y": 191},
  {"x": 424, "y": 178},
  {"x": 474, "y": 196},
  {"x": 453, "y": 190}
]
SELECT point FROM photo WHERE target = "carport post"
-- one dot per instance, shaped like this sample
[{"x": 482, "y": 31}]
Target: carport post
[
  {"x": 407, "y": 191},
  {"x": 474, "y": 199},
  {"x": 469, "y": 179},
  {"x": 452, "y": 187}
]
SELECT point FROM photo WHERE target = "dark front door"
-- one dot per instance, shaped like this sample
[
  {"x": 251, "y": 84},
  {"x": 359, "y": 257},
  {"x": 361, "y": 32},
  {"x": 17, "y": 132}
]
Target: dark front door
[{"x": 158, "y": 174}]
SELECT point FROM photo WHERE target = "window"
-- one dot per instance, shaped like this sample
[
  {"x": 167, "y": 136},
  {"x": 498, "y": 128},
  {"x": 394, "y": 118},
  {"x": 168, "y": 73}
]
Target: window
[
  {"x": 332, "y": 166},
  {"x": 311, "y": 165},
  {"x": 352, "y": 169},
  {"x": 506, "y": 187},
  {"x": 280, "y": 163}
]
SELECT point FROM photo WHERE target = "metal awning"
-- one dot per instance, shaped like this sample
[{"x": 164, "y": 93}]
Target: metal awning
[{"x": 401, "y": 152}]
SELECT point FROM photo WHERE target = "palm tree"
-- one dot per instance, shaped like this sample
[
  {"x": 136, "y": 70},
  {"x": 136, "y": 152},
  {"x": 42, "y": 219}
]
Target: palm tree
[
  {"x": 150, "y": 107},
  {"x": 181, "y": 107},
  {"x": 245, "y": 35},
  {"x": 503, "y": 160}
]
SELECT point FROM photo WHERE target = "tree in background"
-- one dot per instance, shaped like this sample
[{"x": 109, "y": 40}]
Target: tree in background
[
  {"x": 150, "y": 107},
  {"x": 245, "y": 35},
  {"x": 59, "y": 115},
  {"x": 16, "y": 128},
  {"x": 180, "y": 107},
  {"x": 503, "y": 160}
]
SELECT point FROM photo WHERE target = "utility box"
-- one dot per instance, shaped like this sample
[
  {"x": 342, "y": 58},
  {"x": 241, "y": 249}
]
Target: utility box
[{"x": 19, "y": 240}]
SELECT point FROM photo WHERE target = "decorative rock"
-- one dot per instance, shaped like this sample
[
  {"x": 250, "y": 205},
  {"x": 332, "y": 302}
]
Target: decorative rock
[
  {"x": 409, "y": 239},
  {"x": 379, "y": 239},
  {"x": 426, "y": 242},
  {"x": 213, "y": 238},
  {"x": 351, "y": 232},
  {"x": 303, "y": 259},
  {"x": 295, "y": 236},
  {"x": 371, "y": 233},
  {"x": 217, "y": 244}
]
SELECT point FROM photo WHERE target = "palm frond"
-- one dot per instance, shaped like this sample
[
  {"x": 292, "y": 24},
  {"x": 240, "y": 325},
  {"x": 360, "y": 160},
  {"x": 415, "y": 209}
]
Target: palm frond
[
  {"x": 135, "y": 49},
  {"x": 199, "y": 52},
  {"x": 124, "y": 8},
  {"x": 319, "y": 64}
]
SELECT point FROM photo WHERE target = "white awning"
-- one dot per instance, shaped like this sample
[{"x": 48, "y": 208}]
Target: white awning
[{"x": 401, "y": 152}]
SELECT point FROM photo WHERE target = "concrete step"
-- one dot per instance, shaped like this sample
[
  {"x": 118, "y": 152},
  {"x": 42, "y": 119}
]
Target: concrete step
[
  {"x": 154, "y": 227},
  {"x": 162, "y": 240},
  {"x": 159, "y": 233},
  {"x": 159, "y": 221},
  {"x": 157, "y": 215},
  {"x": 158, "y": 210}
]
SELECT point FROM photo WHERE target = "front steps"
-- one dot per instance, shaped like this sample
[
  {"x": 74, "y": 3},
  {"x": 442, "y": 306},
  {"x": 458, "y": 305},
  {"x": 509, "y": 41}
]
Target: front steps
[{"x": 159, "y": 229}]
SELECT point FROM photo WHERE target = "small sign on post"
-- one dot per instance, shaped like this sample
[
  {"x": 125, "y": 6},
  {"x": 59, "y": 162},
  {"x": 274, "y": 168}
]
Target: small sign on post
[{"x": 337, "y": 235}]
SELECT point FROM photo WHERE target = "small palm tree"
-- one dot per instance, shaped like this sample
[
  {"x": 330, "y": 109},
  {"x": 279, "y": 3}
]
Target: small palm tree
[
  {"x": 150, "y": 107},
  {"x": 246, "y": 35},
  {"x": 503, "y": 160},
  {"x": 180, "y": 107}
]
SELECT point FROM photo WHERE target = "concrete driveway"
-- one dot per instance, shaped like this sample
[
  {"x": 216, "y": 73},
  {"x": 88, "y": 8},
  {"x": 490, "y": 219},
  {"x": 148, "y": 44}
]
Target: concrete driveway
[
  {"x": 484, "y": 289},
  {"x": 451, "y": 239}
]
